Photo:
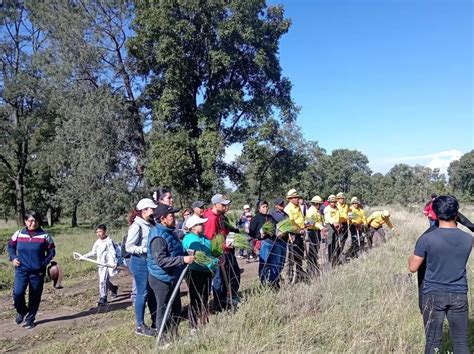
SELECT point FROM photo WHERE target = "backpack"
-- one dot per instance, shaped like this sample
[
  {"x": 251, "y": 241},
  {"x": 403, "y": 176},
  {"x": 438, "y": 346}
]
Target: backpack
[
  {"x": 123, "y": 252},
  {"x": 118, "y": 252}
]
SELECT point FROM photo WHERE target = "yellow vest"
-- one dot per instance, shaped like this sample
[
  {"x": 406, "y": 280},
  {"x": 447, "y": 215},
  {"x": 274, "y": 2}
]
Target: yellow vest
[
  {"x": 343, "y": 212},
  {"x": 331, "y": 215},
  {"x": 295, "y": 214},
  {"x": 376, "y": 220},
  {"x": 314, "y": 218},
  {"x": 358, "y": 216}
]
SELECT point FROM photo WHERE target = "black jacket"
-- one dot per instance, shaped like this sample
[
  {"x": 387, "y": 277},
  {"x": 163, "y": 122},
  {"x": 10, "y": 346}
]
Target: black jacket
[{"x": 256, "y": 224}]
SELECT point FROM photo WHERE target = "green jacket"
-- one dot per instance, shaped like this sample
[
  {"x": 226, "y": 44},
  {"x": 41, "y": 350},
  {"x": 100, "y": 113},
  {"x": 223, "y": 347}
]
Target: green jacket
[{"x": 195, "y": 242}]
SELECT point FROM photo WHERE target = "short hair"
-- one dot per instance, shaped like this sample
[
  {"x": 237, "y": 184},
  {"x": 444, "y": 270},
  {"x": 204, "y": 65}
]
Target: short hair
[
  {"x": 446, "y": 207},
  {"x": 35, "y": 215},
  {"x": 262, "y": 202},
  {"x": 101, "y": 227}
]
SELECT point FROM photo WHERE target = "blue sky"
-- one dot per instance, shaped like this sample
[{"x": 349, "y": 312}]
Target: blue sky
[{"x": 391, "y": 78}]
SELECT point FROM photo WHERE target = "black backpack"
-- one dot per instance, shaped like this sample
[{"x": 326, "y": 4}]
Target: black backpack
[{"x": 125, "y": 254}]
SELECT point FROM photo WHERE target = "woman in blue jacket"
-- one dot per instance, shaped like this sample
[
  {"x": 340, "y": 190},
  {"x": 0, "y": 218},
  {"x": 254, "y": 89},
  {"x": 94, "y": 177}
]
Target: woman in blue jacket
[{"x": 30, "y": 250}]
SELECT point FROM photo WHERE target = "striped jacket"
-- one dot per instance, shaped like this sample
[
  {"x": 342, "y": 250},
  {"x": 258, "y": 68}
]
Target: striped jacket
[{"x": 34, "y": 249}]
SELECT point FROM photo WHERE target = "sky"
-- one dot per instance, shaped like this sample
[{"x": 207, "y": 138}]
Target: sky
[{"x": 390, "y": 78}]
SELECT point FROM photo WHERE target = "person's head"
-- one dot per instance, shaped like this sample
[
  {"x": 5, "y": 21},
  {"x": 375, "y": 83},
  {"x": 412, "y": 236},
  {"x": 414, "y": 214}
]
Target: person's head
[
  {"x": 300, "y": 201},
  {"x": 163, "y": 195},
  {"x": 279, "y": 203},
  {"x": 341, "y": 198},
  {"x": 198, "y": 208},
  {"x": 385, "y": 214},
  {"x": 355, "y": 202},
  {"x": 446, "y": 207},
  {"x": 248, "y": 216},
  {"x": 332, "y": 200},
  {"x": 433, "y": 196},
  {"x": 186, "y": 213},
  {"x": 316, "y": 201},
  {"x": 293, "y": 196},
  {"x": 219, "y": 204},
  {"x": 262, "y": 207},
  {"x": 32, "y": 220},
  {"x": 145, "y": 208},
  {"x": 246, "y": 208},
  {"x": 164, "y": 215},
  {"x": 195, "y": 224},
  {"x": 101, "y": 231}
]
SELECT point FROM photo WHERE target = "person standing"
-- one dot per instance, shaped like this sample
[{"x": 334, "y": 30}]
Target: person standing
[
  {"x": 446, "y": 251},
  {"x": 375, "y": 223},
  {"x": 198, "y": 208},
  {"x": 104, "y": 250},
  {"x": 229, "y": 268},
  {"x": 30, "y": 250},
  {"x": 295, "y": 241},
  {"x": 358, "y": 223},
  {"x": 141, "y": 221},
  {"x": 278, "y": 212},
  {"x": 331, "y": 219},
  {"x": 166, "y": 260},
  {"x": 314, "y": 225},
  {"x": 199, "y": 277},
  {"x": 343, "y": 223}
]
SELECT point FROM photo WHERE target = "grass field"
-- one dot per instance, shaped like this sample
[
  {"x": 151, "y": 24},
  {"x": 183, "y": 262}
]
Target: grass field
[{"x": 367, "y": 306}]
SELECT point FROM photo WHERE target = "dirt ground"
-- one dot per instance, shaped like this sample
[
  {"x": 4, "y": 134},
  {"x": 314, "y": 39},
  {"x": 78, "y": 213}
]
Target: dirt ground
[{"x": 66, "y": 311}]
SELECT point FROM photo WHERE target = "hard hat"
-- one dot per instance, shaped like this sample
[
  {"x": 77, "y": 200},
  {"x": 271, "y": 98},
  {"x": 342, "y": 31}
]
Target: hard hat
[
  {"x": 332, "y": 198},
  {"x": 354, "y": 200},
  {"x": 317, "y": 200},
  {"x": 385, "y": 213},
  {"x": 340, "y": 195},
  {"x": 292, "y": 193}
]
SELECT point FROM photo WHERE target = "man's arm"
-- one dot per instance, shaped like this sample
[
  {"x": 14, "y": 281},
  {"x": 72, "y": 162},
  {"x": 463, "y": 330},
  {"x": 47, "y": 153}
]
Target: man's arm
[{"x": 414, "y": 263}]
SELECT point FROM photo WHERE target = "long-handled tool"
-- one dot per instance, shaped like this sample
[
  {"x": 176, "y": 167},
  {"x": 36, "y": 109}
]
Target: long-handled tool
[
  {"x": 170, "y": 304},
  {"x": 79, "y": 257}
]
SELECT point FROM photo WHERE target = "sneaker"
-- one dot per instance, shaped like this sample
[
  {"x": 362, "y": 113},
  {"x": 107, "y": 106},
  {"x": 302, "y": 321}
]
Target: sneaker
[
  {"x": 102, "y": 301},
  {"x": 114, "y": 291},
  {"x": 29, "y": 325},
  {"x": 146, "y": 331},
  {"x": 19, "y": 318}
]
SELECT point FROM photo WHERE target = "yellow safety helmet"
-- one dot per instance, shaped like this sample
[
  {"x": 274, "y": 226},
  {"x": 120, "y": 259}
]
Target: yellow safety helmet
[{"x": 354, "y": 200}]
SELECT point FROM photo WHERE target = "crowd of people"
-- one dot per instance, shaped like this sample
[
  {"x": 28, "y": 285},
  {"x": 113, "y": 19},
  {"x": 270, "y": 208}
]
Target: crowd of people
[{"x": 159, "y": 251}]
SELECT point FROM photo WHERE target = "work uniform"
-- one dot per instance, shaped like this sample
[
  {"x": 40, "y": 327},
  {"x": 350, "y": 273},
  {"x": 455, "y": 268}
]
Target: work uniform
[
  {"x": 315, "y": 221},
  {"x": 295, "y": 244},
  {"x": 357, "y": 221},
  {"x": 331, "y": 218},
  {"x": 375, "y": 222}
]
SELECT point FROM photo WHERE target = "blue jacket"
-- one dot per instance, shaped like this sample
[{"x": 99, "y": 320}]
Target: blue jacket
[
  {"x": 34, "y": 249},
  {"x": 165, "y": 257}
]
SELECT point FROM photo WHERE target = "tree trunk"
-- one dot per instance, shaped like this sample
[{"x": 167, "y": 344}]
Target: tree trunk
[
  {"x": 20, "y": 200},
  {"x": 49, "y": 215},
  {"x": 74, "y": 215}
]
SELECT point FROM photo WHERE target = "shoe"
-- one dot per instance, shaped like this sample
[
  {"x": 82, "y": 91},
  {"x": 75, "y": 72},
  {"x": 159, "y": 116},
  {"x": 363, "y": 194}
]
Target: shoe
[
  {"x": 19, "y": 318},
  {"x": 114, "y": 291},
  {"x": 102, "y": 301},
  {"x": 29, "y": 325},
  {"x": 240, "y": 257},
  {"x": 146, "y": 331}
]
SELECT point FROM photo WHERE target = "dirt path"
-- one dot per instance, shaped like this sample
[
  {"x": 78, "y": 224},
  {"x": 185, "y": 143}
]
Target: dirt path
[{"x": 66, "y": 311}]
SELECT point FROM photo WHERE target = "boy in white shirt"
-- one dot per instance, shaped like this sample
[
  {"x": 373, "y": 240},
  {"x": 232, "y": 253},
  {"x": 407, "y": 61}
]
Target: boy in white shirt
[{"x": 104, "y": 250}]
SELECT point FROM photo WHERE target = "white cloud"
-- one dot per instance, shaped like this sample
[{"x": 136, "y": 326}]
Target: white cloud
[{"x": 439, "y": 160}]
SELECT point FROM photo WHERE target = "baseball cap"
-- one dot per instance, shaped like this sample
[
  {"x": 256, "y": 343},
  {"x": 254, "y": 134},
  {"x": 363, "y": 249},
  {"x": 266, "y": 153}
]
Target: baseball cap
[
  {"x": 219, "y": 199},
  {"x": 246, "y": 206},
  {"x": 198, "y": 204},
  {"x": 279, "y": 201},
  {"x": 193, "y": 221},
  {"x": 146, "y": 203},
  {"x": 163, "y": 210}
]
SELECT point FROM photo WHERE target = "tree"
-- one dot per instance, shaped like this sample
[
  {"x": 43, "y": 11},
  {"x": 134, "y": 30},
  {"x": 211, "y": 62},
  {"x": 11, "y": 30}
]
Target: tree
[
  {"x": 461, "y": 176},
  {"x": 213, "y": 78},
  {"x": 23, "y": 102}
]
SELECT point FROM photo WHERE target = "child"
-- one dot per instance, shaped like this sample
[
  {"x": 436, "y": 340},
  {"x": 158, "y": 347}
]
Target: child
[{"x": 104, "y": 249}]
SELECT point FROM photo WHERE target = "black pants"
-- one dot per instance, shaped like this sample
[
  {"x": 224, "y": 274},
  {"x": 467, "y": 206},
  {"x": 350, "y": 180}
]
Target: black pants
[
  {"x": 356, "y": 239},
  {"x": 199, "y": 285},
  {"x": 34, "y": 281},
  {"x": 163, "y": 293},
  {"x": 333, "y": 239},
  {"x": 438, "y": 305},
  {"x": 313, "y": 241},
  {"x": 295, "y": 259},
  {"x": 372, "y": 231}
]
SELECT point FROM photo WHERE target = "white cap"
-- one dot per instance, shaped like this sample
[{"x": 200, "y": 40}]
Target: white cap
[
  {"x": 219, "y": 199},
  {"x": 194, "y": 220},
  {"x": 246, "y": 206},
  {"x": 146, "y": 203}
]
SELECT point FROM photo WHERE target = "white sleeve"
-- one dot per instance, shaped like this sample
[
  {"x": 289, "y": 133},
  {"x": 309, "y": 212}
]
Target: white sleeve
[
  {"x": 134, "y": 237},
  {"x": 93, "y": 252}
]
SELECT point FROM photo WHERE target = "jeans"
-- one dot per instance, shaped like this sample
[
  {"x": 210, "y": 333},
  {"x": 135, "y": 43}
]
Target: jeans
[
  {"x": 34, "y": 281},
  {"x": 436, "y": 306},
  {"x": 219, "y": 287},
  {"x": 138, "y": 268},
  {"x": 271, "y": 261},
  {"x": 162, "y": 292}
]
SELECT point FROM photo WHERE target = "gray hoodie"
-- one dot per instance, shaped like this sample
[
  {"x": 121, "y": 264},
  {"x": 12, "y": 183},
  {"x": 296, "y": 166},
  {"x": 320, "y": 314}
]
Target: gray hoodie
[{"x": 137, "y": 237}]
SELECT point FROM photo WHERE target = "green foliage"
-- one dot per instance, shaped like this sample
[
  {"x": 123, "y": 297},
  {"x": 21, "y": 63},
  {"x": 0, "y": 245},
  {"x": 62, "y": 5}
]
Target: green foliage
[
  {"x": 217, "y": 245},
  {"x": 461, "y": 176}
]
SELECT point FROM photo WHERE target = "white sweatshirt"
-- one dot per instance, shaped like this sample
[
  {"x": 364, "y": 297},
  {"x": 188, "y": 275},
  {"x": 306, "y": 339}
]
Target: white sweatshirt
[{"x": 104, "y": 250}]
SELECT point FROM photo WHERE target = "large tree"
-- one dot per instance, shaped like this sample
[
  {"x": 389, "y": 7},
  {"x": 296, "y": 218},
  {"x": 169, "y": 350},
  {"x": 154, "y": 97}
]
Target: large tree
[
  {"x": 461, "y": 176},
  {"x": 213, "y": 77}
]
